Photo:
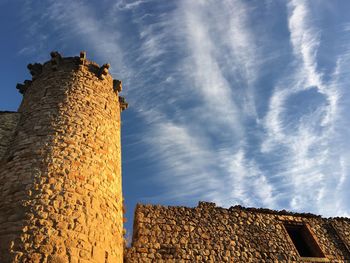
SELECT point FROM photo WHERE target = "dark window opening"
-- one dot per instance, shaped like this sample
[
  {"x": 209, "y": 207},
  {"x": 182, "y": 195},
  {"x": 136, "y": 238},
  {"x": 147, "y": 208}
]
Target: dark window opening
[{"x": 303, "y": 241}]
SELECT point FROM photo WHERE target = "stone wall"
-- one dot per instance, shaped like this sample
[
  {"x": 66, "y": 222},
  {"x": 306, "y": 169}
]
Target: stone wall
[
  {"x": 212, "y": 234},
  {"x": 60, "y": 181},
  {"x": 8, "y": 123}
]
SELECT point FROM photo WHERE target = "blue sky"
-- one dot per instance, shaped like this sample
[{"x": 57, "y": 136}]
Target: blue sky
[{"x": 235, "y": 102}]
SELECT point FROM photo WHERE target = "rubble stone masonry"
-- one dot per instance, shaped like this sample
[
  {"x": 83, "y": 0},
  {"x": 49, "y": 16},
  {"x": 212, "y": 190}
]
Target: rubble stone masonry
[
  {"x": 212, "y": 234},
  {"x": 60, "y": 179},
  {"x": 8, "y": 123}
]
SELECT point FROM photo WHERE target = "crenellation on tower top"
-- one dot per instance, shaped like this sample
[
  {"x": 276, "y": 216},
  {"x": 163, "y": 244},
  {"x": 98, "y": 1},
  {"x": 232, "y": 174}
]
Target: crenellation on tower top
[
  {"x": 55, "y": 59},
  {"x": 35, "y": 69},
  {"x": 22, "y": 88},
  {"x": 58, "y": 63},
  {"x": 123, "y": 104},
  {"x": 103, "y": 71},
  {"x": 82, "y": 57},
  {"x": 117, "y": 85}
]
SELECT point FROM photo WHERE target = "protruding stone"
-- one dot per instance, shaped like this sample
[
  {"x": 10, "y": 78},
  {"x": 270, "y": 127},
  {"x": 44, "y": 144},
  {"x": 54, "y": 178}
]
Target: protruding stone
[
  {"x": 123, "y": 104},
  {"x": 22, "y": 88},
  {"x": 82, "y": 58},
  {"x": 103, "y": 71},
  {"x": 55, "y": 59},
  {"x": 55, "y": 54},
  {"x": 117, "y": 85},
  {"x": 35, "y": 69}
]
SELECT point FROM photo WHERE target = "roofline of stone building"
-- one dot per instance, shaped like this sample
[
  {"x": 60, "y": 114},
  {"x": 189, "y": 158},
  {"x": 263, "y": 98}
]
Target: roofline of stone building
[
  {"x": 210, "y": 205},
  {"x": 5, "y": 111}
]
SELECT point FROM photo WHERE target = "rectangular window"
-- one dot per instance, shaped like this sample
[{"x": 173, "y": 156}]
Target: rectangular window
[{"x": 303, "y": 241}]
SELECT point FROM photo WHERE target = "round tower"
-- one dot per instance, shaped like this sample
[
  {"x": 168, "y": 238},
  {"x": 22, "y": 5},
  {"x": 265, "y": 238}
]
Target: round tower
[{"x": 60, "y": 179}]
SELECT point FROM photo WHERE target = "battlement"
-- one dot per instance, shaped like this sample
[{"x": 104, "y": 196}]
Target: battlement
[{"x": 58, "y": 63}]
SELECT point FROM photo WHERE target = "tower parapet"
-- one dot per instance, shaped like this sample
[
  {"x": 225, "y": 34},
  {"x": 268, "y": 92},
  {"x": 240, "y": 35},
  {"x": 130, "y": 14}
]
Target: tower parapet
[{"x": 60, "y": 180}]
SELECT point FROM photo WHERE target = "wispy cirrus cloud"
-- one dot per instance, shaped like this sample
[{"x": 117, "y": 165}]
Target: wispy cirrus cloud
[
  {"x": 213, "y": 126},
  {"x": 311, "y": 165},
  {"x": 208, "y": 65}
]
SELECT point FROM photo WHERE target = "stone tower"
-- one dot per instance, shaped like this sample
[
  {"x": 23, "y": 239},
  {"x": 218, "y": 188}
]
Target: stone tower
[{"x": 60, "y": 177}]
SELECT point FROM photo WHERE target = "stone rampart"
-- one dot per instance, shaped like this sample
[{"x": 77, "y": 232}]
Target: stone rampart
[{"x": 212, "y": 234}]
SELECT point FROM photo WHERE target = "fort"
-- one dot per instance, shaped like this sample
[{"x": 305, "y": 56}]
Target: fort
[{"x": 61, "y": 193}]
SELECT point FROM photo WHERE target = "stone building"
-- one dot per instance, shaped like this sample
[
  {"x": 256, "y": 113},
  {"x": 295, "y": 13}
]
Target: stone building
[
  {"x": 207, "y": 233},
  {"x": 61, "y": 196}
]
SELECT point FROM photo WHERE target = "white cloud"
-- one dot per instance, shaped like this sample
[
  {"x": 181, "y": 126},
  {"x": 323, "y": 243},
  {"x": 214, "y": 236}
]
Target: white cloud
[
  {"x": 311, "y": 164},
  {"x": 185, "y": 144},
  {"x": 127, "y": 5},
  {"x": 193, "y": 74},
  {"x": 245, "y": 183}
]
